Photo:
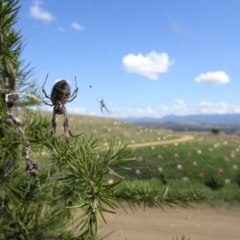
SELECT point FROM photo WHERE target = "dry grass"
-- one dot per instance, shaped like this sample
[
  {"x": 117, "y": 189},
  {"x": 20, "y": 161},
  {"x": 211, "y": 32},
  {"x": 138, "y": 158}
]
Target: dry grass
[{"x": 107, "y": 129}]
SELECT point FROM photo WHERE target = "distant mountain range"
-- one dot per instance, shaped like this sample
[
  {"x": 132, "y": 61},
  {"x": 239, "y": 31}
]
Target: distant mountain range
[{"x": 209, "y": 119}]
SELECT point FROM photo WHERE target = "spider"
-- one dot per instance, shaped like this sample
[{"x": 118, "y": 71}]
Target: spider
[
  {"x": 103, "y": 105},
  {"x": 60, "y": 95}
]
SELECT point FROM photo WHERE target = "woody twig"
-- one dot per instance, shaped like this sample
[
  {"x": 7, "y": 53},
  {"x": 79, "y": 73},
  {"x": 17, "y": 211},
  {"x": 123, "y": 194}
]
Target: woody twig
[{"x": 32, "y": 168}]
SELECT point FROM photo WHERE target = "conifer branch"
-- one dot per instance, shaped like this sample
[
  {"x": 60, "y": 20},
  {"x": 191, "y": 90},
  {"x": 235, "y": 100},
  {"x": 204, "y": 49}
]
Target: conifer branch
[{"x": 32, "y": 168}]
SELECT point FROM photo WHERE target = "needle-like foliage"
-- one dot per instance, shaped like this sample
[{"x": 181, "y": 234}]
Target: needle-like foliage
[
  {"x": 14, "y": 74},
  {"x": 63, "y": 192},
  {"x": 85, "y": 183}
]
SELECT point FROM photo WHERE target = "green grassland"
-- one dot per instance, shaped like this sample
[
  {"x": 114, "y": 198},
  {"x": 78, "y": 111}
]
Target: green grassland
[
  {"x": 106, "y": 129},
  {"x": 193, "y": 160},
  {"x": 207, "y": 166}
]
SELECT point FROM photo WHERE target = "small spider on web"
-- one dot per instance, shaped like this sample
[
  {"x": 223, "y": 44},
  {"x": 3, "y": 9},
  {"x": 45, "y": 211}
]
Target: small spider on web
[
  {"x": 103, "y": 105},
  {"x": 60, "y": 95}
]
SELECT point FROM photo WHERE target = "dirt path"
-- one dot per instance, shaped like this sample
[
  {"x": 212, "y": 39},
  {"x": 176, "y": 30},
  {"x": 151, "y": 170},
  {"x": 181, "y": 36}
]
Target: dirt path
[
  {"x": 199, "y": 223},
  {"x": 196, "y": 223},
  {"x": 182, "y": 139}
]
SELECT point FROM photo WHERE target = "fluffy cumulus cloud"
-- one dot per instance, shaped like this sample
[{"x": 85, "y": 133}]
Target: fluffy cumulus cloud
[
  {"x": 150, "y": 65},
  {"x": 36, "y": 11},
  {"x": 138, "y": 112},
  {"x": 202, "y": 107},
  {"x": 220, "y": 108},
  {"x": 77, "y": 26},
  {"x": 218, "y": 77},
  {"x": 70, "y": 110},
  {"x": 179, "y": 107},
  {"x": 77, "y": 110}
]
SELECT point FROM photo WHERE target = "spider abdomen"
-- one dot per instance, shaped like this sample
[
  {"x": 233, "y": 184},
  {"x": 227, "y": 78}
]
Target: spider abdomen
[
  {"x": 61, "y": 92},
  {"x": 60, "y": 95}
]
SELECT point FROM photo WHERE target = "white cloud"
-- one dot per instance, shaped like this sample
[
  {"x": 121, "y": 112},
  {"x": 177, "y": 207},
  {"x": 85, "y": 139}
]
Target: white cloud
[
  {"x": 77, "y": 110},
  {"x": 180, "y": 108},
  {"x": 150, "y": 65},
  {"x": 77, "y": 26},
  {"x": 202, "y": 107},
  {"x": 138, "y": 112},
  {"x": 218, "y": 77},
  {"x": 221, "y": 107},
  {"x": 70, "y": 110},
  {"x": 39, "y": 13}
]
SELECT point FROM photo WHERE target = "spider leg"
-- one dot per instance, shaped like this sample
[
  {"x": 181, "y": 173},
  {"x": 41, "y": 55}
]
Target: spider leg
[
  {"x": 47, "y": 103},
  {"x": 106, "y": 108},
  {"x": 54, "y": 125},
  {"x": 44, "y": 89},
  {"x": 67, "y": 131},
  {"x": 45, "y": 81},
  {"x": 74, "y": 94},
  {"x": 103, "y": 105}
]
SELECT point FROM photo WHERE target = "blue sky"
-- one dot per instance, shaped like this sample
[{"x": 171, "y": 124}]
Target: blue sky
[{"x": 143, "y": 58}]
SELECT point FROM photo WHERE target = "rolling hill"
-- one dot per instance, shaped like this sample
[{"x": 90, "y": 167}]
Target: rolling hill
[{"x": 213, "y": 119}]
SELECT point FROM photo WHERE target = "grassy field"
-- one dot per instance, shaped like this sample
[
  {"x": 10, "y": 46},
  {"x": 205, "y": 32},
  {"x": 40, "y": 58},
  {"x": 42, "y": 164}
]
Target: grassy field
[
  {"x": 206, "y": 155},
  {"x": 202, "y": 172},
  {"x": 107, "y": 129},
  {"x": 208, "y": 163}
]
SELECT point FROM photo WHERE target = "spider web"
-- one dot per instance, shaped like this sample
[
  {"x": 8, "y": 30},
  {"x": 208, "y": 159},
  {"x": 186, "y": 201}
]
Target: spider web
[
  {"x": 197, "y": 160},
  {"x": 207, "y": 162}
]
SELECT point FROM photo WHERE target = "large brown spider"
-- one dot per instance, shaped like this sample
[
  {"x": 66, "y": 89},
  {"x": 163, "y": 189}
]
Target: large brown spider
[{"x": 60, "y": 95}]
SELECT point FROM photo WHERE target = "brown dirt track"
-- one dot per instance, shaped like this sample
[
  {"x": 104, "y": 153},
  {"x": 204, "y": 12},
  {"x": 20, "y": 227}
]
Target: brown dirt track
[
  {"x": 196, "y": 223},
  {"x": 184, "y": 138}
]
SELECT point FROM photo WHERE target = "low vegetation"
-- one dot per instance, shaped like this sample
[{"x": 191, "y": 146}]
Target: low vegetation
[
  {"x": 208, "y": 163},
  {"x": 44, "y": 182}
]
